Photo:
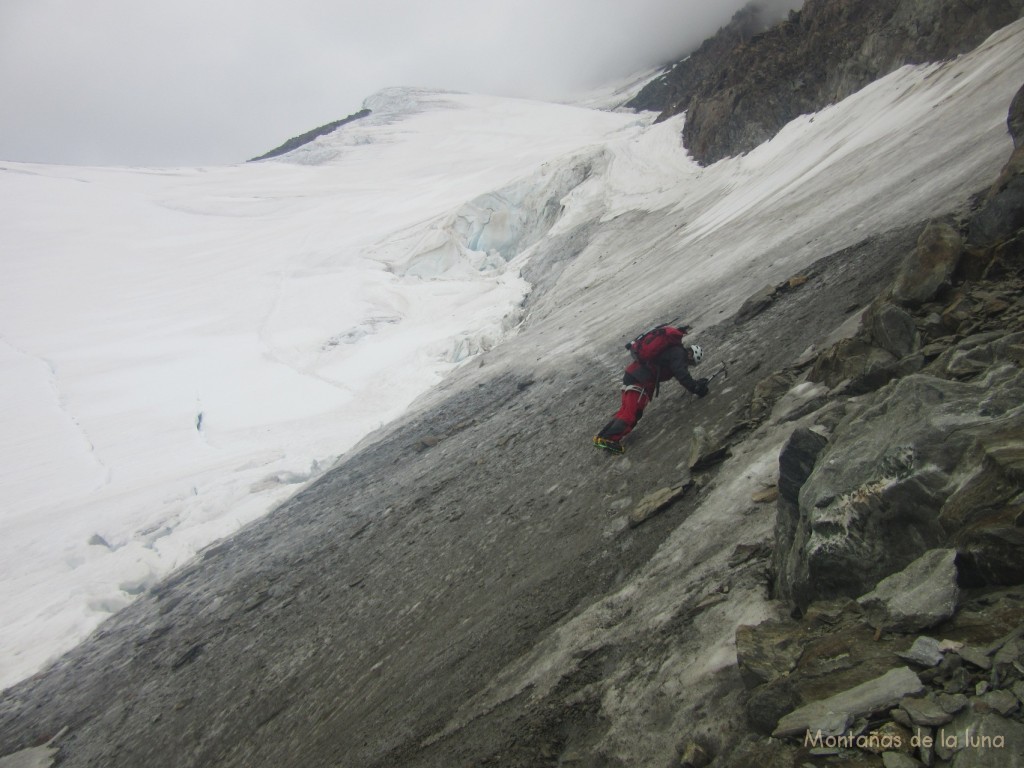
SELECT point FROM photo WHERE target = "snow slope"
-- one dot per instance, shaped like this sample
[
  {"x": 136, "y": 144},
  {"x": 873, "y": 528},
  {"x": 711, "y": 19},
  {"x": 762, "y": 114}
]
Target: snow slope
[{"x": 180, "y": 349}]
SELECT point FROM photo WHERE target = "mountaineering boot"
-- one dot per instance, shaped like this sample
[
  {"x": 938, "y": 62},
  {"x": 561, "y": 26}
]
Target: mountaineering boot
[{"x": 608, "y": 445}]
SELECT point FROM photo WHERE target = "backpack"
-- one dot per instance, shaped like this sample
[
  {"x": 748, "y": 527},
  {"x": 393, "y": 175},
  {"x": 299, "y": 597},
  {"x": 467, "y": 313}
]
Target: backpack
[{"x": 646, "y": 347}]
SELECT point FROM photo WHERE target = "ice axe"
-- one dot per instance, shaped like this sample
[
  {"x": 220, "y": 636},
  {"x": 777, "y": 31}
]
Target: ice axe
[{"x": 717, "y": 373}]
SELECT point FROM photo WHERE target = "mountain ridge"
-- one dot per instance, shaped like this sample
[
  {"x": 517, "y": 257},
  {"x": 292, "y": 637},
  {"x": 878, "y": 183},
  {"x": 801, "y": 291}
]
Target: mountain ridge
[{"x": 745, "y": 83}]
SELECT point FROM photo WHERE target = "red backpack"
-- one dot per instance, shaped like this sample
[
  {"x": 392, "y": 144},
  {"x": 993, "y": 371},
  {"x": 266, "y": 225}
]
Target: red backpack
[{"x": 646, "y": 347}]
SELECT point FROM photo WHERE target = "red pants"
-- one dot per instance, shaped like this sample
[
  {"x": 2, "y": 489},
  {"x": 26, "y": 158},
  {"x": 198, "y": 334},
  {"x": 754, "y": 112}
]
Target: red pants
[{"x": 634, "y": 400}]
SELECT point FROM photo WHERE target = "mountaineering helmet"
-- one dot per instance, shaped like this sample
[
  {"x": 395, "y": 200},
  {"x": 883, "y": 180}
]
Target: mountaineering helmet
[{"x": 697, "y": 353}]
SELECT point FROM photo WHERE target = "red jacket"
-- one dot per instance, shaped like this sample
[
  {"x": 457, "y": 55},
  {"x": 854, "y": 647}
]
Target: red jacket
[{"x": 674, "y": 362}]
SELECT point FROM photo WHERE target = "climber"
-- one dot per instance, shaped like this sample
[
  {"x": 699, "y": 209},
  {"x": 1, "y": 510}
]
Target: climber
[{"x": 658, "y": 355}]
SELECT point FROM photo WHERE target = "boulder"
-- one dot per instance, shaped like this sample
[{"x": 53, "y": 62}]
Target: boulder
[
  {"x": 863, "y": 365},
  {"x": 978, "y": 354},
  {"x": 892, "y": 329},
  {"x": 769, "y": 703},
  {"x": 984, "y": 741},
  {"x": 876, "y": 695},
  {"x": 756, "y": 304},
  {"x": 926, "y": 711},
  {"x": 929, "y": 267},
  {"x": 767, "y": 651},
  {"x": 655, "y": 502},
  {"x": 983, "y": 515},
  {"x": 925, "y": 652},
  {"x": 1003, "y": 213},
  {"x": 922, "y": 595},
  {"x": 871, "y": 504},
  {"x": 796, "y": 461}
]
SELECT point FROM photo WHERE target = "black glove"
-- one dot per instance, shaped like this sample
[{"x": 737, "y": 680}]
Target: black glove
[{"x": 700, "y": 387}]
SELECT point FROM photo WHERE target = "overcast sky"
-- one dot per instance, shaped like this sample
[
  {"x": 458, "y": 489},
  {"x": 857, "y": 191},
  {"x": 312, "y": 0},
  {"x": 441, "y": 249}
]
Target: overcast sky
[{"x": 198, "y": 82}]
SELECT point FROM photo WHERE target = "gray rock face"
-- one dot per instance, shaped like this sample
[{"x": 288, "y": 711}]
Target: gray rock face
[
  {"x": 918, "y": 597},
  {"x": 926, "y": 711},
  {"x": 871, "y": 505},
  {"x": 985, "y": 741},
  {"x": 766, "y": 652},
  {"x": 856, "y": 361},
  {"x": 740, "y": 88},
  {"x": 796, "y": 461},
  {"x": 1002, "y": 217},
  {"x": 1015, "y": 119},
  {"x": 893, "y": 330}
]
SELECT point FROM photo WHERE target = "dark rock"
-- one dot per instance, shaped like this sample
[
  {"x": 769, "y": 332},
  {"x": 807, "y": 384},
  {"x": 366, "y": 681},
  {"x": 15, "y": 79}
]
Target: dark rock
[
  {"x": 1003, "y": 215},
  {"x": 870, "y": 506},
  {"x": 929, "y": 267},
  {"x": 958, "y": 682},
  {"x": 991, "y": 551},
  {"x": 981, "y": 514},
  {"x": 892, "y": 329},
  {"x": 796, "y": 462},
  {"x": 670, "y": 94},
  {"x": 744, "y": 553},
  {"x": 306, "y": 138},
  {"x": 710, "y": 459},
  {"x": 861, "y": 364},
  {"x": 769, "y": 703},
  {"x": 741, "y": 87},
  {"x": 1015, "y": 119}
]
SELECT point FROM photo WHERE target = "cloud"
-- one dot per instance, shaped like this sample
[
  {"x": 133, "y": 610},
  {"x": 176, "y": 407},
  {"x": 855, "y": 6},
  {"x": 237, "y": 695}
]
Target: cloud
[{"x": 190, "y": 82}]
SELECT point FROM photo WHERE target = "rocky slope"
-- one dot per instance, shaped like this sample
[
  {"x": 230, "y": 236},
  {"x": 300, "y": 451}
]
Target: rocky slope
[
  {"x": 898, "y": 540},
  {"x": 740, "y": 87},
  {"x": 478, "y": 586}
]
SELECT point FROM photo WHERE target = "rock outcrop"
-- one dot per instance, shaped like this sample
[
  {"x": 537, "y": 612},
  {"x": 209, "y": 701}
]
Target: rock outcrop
[
  {"x": 739, "y": 88},
  {"x": 899, "y": 531}
]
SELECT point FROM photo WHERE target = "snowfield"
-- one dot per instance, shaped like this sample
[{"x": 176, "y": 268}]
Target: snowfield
[{"x": 182, "y": 349}]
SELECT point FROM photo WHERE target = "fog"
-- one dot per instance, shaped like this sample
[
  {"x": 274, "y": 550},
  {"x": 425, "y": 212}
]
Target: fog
[{"x": 117, "y": 82}]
